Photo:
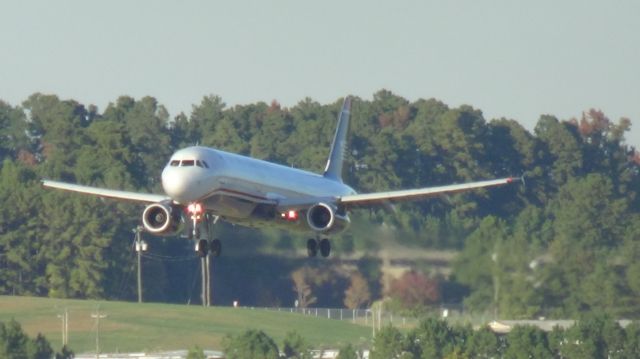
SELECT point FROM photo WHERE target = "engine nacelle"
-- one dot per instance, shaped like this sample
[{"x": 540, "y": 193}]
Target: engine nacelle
[
  {"x": 324, "y": 218},
  {"x": 161, "y": 219}
]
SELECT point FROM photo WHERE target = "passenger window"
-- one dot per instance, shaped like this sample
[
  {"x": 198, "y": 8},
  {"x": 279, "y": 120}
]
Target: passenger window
[
  {"x": 175, "y": 163},
  {"x": 187, "y": 163}
]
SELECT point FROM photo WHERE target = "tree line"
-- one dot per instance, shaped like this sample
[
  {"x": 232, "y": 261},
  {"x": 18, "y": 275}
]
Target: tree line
[
  {"x": 595, "y": 336},
  {"x": 562, "y": 244}
]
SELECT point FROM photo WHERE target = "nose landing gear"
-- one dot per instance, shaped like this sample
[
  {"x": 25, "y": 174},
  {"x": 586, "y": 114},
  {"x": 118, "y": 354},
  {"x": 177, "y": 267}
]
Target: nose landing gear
[
  {"x": 203, "y": 222},
  {"x": 204, "y": 247}
]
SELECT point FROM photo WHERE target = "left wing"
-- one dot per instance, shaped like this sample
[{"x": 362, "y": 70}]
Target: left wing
[
  {"x": 107, "y": 193},
  {"x": 415, "y": 194}
]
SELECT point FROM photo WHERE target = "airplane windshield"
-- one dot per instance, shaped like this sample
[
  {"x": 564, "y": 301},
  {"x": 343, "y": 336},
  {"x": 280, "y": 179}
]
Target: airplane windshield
[{"x": 188, "y": 163}]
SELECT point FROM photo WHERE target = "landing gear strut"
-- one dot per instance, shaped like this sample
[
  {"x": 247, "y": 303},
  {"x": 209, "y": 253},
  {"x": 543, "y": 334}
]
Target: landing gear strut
[
  {"x": 314, "y": 244},
  {"x": 202, "y": 222}
]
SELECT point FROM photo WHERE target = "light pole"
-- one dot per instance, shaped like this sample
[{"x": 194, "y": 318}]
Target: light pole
[
  {"x": 97, "y": 316},
  {"x": 141, "y": 246},
  {"x": 65, "y": 326}
]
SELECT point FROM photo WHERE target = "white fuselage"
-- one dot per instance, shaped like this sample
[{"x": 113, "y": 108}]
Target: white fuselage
[{"x": 232, "y": 185}]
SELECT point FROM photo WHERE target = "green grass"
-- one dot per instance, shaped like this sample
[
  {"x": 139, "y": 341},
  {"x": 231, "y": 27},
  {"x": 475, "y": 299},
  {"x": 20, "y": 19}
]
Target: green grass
[{"x": 155, "y": 327}]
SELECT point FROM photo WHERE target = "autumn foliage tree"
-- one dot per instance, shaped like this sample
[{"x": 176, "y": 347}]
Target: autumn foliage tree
[
  {"x": 302, "y": 287},
  {"x": 414, "y": 290},
  {"x": 565, "y": 243},
  {"x": 358, "y": 293}
]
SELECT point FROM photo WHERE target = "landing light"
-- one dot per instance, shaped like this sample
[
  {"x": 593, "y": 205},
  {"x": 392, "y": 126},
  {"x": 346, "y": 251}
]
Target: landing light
[
  {"x": 195, "y": 208},
  {"x": 290, "y": 215}
]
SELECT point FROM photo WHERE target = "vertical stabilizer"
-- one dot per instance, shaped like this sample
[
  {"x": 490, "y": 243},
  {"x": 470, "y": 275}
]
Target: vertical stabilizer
[{"x": 339, "y": 145}]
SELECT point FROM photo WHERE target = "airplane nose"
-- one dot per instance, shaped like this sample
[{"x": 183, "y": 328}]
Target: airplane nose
[{"x": 175, "y": 185}]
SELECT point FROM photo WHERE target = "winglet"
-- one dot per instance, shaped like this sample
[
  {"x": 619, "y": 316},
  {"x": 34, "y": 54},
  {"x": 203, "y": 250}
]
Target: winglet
[{"x": 333, "y": 169}]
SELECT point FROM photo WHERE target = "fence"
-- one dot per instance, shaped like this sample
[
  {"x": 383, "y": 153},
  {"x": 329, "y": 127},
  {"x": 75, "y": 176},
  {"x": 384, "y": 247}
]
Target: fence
[{"x": 365, "y": 316}]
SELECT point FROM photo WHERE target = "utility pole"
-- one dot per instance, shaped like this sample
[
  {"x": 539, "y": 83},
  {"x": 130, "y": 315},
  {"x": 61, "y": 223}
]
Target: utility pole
[
  {"x": 207, "y": 264},
  {"x": 65, "y": 326},
  {"x": 203, "y": 274},
  {"x": 141, "y": 246},
  {"x": 97, "y": 316},
  {"x": 496, "y": 285},
  {"x": 372, "y": 310},
  {"x": 206, "y": 285}
]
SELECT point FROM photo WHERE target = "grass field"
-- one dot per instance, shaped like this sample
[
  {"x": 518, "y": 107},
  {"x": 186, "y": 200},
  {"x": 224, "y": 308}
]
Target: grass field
[{"x": 155, "y": 327}]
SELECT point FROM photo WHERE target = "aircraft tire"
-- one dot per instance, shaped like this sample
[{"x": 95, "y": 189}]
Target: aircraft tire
[
  {"x": 215, "y": 248},
  {"x": 325, "y": 247},
  {"x": 202, "y": 247},
  {"x": 312, "y": 248}
]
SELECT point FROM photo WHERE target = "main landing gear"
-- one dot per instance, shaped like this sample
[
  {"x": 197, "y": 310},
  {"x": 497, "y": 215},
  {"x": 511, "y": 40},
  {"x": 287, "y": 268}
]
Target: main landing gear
[
  {"x": 322, "y": 244},
  {"x": 202, "y": 221}
]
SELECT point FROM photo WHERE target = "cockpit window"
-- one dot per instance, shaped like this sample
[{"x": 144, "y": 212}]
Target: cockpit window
[{"x": 188, "y": 163}]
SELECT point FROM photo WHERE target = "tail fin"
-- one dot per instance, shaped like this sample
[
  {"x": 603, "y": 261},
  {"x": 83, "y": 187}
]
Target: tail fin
[{"x": 333, "y": 169}]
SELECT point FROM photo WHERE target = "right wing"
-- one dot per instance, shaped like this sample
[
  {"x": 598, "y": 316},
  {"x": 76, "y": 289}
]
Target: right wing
[
  {"x": 106, "y": 193},
  {"x": 416, "y": 194}
]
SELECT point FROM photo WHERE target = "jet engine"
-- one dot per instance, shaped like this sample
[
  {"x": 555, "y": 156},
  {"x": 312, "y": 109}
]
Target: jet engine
[
  {"x": 161, "y": 219},
  {"x": 325, "y": 218}
]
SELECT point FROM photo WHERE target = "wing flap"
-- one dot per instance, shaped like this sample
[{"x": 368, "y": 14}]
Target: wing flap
[
  {"x": 415, "y": 194},
  {"x": 302, "y": 203},
  {"x": 106, "y": 193}
]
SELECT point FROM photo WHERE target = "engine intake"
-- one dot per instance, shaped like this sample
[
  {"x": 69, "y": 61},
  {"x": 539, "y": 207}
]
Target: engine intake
[
  {"x": 161, "y": 219},
  {"x": 321, "y": 217}
]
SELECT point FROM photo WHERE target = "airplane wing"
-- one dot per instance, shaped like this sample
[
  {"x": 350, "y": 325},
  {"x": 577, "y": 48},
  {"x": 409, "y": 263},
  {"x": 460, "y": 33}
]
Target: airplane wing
[
  {"x": 416, "y": 194},
  {"x": 107, "y": 193}
]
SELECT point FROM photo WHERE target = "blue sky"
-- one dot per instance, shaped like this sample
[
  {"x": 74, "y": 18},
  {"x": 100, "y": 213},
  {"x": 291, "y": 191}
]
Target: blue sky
[{"x": 507, "y": 58}]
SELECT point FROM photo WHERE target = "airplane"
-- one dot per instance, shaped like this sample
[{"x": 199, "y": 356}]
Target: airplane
[{"x": 202, "y": 185}]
